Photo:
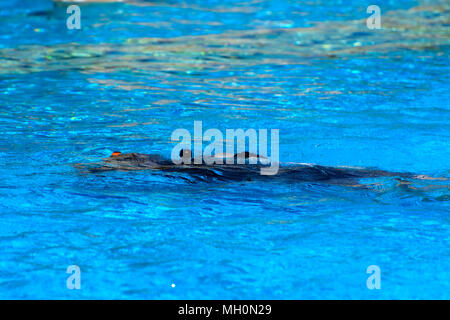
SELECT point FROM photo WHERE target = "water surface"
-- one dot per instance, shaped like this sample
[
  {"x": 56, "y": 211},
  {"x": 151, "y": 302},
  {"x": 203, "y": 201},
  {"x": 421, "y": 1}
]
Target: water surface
[{"x": 339, "y": 93}]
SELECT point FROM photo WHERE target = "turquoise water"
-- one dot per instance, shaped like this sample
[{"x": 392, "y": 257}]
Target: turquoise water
[{"x": 339, "y": 93}]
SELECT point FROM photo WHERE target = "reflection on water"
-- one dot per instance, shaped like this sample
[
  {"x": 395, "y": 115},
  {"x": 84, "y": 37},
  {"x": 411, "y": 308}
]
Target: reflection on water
[{"x": 419, "y": 28}]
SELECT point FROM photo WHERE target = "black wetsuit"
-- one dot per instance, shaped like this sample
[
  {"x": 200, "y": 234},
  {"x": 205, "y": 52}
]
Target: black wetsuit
[{"x": 239, "y": 172}]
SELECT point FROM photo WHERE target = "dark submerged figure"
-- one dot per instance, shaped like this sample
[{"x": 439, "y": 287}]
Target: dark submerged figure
[{"x": 296, "y": 172}]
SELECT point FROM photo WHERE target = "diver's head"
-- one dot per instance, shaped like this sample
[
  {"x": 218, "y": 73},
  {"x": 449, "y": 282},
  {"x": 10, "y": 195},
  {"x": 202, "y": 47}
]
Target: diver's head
[
  {"x": 119, "y": 156},
  {"x": 185, "y": 154}
]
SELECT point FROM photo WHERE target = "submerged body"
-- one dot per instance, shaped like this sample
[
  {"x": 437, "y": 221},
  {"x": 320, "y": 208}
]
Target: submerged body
[{"x": 297, "y": 172}]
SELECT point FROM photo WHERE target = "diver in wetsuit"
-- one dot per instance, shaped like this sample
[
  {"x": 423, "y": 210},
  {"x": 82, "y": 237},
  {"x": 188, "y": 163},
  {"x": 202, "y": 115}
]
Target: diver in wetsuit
[{"x": 250, "y": 170}]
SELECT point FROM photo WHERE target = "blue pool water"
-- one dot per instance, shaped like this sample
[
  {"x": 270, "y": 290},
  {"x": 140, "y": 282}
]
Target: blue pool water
[{"x": 339, "y": 93}]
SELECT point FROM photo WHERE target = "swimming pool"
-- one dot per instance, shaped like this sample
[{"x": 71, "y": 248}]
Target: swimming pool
[{"x": 339, "y": 93}]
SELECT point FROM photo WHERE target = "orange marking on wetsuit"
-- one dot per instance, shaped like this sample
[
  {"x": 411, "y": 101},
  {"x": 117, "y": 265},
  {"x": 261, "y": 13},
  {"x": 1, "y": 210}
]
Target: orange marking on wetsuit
[{"x": 115, "y": 154}]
